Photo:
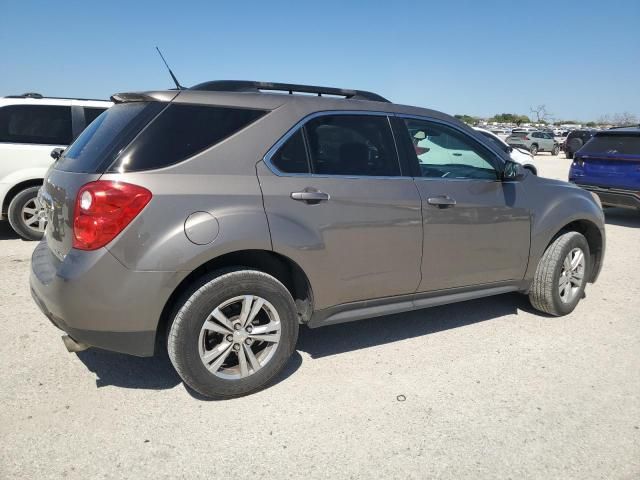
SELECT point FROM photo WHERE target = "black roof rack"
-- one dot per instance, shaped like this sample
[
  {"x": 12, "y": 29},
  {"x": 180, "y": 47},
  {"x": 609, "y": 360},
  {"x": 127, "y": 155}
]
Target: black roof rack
[
  {"x": 40, "y": 96},
  {"x": 256, "y": 87}
]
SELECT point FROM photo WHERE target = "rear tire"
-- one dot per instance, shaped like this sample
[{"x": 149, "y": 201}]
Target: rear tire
[
  {"x": 556, "y": 150},
  {"x": 196, "y": 335},
  {"x": 552, "y": 273},
  {"x": 24, "y": 214},
  {"x": 568, "y": 154},
  {"x": 534, "y": 149}
]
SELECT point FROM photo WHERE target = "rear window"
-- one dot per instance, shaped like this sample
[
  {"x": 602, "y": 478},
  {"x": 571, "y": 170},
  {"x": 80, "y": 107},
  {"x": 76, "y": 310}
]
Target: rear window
[
  {"x": 36, "y": 124},
  {"x": 99, "y": 144},
  {"x": 612, "y": 145},
  {"x": 180, "y": 132},
  {"x": 91, "y": 113}
]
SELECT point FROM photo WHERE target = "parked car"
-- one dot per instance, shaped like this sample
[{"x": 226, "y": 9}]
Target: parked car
[
  {"x": 575, "y": 140},
  {"x": 264, "y": 211},
  {"x": 534, "y": 142},
  {"x": 609, "y": 165},
  {"x": 560, "y": 136},
  {"x": 30, "y": 127},
  {"x": 519, "y": 155}
]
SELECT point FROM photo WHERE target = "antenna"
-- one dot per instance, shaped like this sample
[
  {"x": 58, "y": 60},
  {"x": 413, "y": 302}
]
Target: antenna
[{"x": 175, "y": 80}]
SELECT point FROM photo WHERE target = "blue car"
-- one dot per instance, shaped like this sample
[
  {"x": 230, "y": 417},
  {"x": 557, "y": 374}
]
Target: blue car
[{"x": 609, "y": 165}]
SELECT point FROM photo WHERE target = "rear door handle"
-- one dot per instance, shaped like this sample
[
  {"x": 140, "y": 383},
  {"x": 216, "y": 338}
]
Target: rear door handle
[
  {"x": 443, "y": 201},
  {"x": 312, "y": 197}
]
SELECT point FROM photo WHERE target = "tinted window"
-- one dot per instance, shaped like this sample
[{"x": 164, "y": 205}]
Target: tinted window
[
  {"x": 292, "y": 156},
  {"x": 39, "y": 124},
  {"x": 90, "y": 114},
  {"x": 612, "y": 145},
  {"x": 99, "y": 144},
  {"x": 497, "y": 143},
  {"x": 180, "y": 132},
  {"x": 359, "y": 145},
  {"x": 443, "y": 152}
]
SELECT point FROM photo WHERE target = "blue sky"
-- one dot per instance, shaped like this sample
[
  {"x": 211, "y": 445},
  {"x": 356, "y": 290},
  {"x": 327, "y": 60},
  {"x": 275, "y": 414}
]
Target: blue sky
[{"x": 580, "y": 58}]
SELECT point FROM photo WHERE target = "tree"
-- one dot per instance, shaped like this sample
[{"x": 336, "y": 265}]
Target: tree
[
  {"x": 510, "y": 118},
  {"x": 591, "y": 124},
  {"x": 541, "y": 114},
  {"x": 624, "y": 119},
  {"x": 468, "y": 119}
]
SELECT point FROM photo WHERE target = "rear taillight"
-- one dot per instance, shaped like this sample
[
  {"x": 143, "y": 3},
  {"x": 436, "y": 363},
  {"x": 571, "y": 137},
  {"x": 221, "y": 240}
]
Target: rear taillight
[
  {"x": 578, "y": 161},
  {"x": 526, "y": 138},
  {"x": 103, "y": 209}
]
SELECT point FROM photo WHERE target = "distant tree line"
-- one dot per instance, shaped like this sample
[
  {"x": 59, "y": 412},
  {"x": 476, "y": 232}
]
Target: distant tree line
[{"x": 542, "y": 116}]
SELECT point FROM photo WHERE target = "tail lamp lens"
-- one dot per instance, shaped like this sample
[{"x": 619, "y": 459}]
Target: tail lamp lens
[{"x": 103, "y": 209}]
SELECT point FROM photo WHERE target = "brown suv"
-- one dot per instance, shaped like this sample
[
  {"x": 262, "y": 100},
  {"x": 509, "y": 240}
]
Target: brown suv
[{"x": 223, "y": 216}]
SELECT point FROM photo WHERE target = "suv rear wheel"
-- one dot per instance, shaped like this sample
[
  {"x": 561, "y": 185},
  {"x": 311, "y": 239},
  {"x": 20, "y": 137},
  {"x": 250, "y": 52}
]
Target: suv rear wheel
[
  {"x": 556, "y": 150},
  {"x": 26, "y": 215},
  {"x": 233, "y": 332},
  {"x": 560, "y": 278}
]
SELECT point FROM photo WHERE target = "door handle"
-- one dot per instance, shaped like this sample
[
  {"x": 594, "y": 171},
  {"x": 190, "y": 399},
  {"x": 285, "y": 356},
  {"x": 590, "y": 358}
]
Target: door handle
[
  {"x": 443, "y": 201},
  {"x": 457, "y": 154},
  {"x": 312, "y": 197}
]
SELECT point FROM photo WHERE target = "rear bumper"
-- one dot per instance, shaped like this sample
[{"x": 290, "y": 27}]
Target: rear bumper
[
  {"x": 97, "y": 301},
  {"x": 615, "y": 197}
]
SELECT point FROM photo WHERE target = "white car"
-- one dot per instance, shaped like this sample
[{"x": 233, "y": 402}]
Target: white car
[
  {"x": 519, "y": 155},
  {"x": 31, "y": 126}
]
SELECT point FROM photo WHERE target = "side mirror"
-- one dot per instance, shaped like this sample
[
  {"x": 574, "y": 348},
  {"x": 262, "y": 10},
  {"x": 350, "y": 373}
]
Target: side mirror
[
  {"x": 56, "y": 153},
  {"x": 513, "y": 171}
]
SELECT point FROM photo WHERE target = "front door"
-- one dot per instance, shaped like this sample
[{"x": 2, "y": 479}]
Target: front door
[
  {"x": 338, "y": 204},
  {"x": 476, "y": 227}
]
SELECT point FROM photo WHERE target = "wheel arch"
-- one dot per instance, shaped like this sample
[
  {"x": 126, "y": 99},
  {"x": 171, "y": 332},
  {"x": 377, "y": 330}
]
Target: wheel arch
[
  {"x": 17, "y": 188},
  {"x": 594, "y": 238},
  {"x": 288, "y": 272}
]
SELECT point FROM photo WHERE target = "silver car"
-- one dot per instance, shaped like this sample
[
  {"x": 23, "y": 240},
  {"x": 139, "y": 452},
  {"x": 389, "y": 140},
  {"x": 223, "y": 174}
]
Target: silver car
[
  {"x": 220, "y": 218},
  {"x": 534, "y": 142}
]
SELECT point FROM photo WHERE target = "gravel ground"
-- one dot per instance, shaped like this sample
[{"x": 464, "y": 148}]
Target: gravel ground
[{"x": 482, "y": 389}]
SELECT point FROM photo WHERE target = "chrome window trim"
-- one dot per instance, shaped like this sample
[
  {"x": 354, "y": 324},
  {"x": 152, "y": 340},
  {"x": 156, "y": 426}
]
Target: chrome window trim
[{"x": 272, "y": 151}]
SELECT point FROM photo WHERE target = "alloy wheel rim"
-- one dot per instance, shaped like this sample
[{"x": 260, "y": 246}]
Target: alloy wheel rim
[
  {"x": 571, "y": 275},
  {"x": 239, "y": 337},
  {"x": 34, "y": 216}
]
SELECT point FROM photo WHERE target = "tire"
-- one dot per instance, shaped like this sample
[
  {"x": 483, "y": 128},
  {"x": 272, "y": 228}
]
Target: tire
[
  {"x": 568, "y": 154},
  {"x": 187, "y": 344},
  {"x": 545, "y": 290},
  {"x": 532, "y": 169},
  {"x": 533, "y": 149},
  {"x": 27, "y": 199},
  {"x": 556, "y": 150},
  {"x": 574, "y": 144}
]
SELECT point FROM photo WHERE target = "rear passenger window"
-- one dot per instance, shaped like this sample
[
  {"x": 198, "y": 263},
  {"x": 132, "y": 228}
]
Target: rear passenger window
[
  {"x": 358, "y": 145},
  {"x": 292, "y": 156},
  {"x": 36, "y": 124},
  {"x": 91, "y": 113},
  {"x": 180, "y": 132}
]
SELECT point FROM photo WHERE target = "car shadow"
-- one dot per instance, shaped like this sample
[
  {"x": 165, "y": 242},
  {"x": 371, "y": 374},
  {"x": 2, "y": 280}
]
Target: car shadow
[
  {"x": 6, "y": 232},
  {"x": 622, "y": 217},
  {"x": 347, "y": 337},
  {"x": 157, "y": 373}
]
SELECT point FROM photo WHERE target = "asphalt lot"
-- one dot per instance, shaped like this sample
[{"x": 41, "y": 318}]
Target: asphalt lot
[{"x": 482, "y": 389}]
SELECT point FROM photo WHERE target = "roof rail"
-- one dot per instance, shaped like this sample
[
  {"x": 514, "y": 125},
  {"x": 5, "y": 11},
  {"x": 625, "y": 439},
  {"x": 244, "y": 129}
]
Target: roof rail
[
  {"x": 26, "y": 95},
  {"x": 257, "y": 87}
]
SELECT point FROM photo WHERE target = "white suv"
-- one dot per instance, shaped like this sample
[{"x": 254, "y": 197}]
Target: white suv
[{"x": 31, "y": 126}]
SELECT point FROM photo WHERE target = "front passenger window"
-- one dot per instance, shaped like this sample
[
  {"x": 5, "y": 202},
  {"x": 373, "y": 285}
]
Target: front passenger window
[{"x": 443, "y": 152}]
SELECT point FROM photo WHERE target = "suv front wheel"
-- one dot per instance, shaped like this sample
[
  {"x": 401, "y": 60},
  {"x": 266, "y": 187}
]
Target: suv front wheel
[
  {"x": 233, "y": 332},
  {"x": 561, "y": 276},
  {"x": 26, "y": 216}
]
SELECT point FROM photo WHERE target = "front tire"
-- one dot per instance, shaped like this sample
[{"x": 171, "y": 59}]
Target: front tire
[
  {"x": 534, "y": 149},
  {"x": 233, "y": 332},
  {"x": 561, "y": 276},
  {"x": 26, "y": 215}
]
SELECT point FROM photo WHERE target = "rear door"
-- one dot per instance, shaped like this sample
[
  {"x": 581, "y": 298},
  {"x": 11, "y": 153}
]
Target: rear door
[
  {"x": 339, "y": 205},
  {"x": 476, "y": 228}
]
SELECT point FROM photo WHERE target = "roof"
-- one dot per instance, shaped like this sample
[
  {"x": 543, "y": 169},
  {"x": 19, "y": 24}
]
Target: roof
[{"x": 39, "y": 96}]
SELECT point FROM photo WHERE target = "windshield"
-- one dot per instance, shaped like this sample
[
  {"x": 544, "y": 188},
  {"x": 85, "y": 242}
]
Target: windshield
[{"x": 98, "y": 145}]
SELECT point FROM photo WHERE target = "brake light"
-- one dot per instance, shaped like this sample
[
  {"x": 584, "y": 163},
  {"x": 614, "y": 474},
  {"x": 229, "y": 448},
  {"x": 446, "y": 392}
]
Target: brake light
[
  {"x": 526, "y": 138},
  {"x": 103, "y": 209}
]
